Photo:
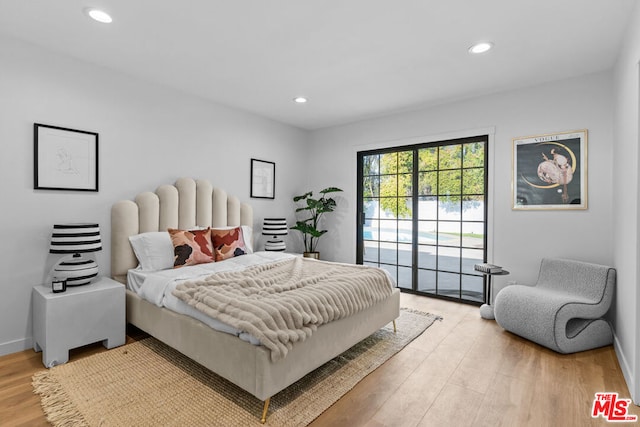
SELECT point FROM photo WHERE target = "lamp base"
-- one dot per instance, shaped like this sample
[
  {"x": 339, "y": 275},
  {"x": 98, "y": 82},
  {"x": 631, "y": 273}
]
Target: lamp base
[
  {"x": 76, "y": 271},
  {"x": 275, "y": 245}
]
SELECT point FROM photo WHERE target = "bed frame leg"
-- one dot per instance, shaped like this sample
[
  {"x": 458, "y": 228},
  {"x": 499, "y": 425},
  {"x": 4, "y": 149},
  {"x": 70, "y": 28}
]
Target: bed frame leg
[
  {"x": 265, "y": 410},
  {"x": 394, "y": 327}
]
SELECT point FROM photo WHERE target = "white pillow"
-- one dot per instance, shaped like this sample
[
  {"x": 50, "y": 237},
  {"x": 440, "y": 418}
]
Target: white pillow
[
  {"x": 247, "y": 234},
  {"x": 154, "y": 250}
]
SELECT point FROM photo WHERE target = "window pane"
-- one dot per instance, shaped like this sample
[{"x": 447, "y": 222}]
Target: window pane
[
  {"x": 449, "y": 183},
  {"x": 428, "y": 159},
  {"x": 405, "y": 184},
  {"x": 388, "y": 253},
  {"x": 389, "y": 163},
  {"x": 427, "y": 183},
  {"x": 427, "y": 232},
  {"x": 473, "y": 180},
  {"x": 473, "y": 235},
  {"x": 405, "y": 161},
  {"x": 370, "y": 251},
  {"x": 428, "y": 208},
  {"x": 427, "y": 256},
  {"x": 450, "y": 156},
  {"x": 449, "y": 259},
  {"x": 389, "y": 185},
  {"x": 472, "y": 288},
  {"x": 427, "y": 281},
  {"x": 371, "y": 229},
  {"x": 449, "y": 233},
  {"x": 473, "y": 154},
  {"x": 371, "y": 186},
  {"x": 388, "y": 230},
  {"x": 473, "y": 208},
  {"x": 404, "y": 254},
  {"x": 371, "y": 165},
  {"x": 388, "y": 207},
  {"x": 405, "y": 208},
  {"x": 370, "y": 206},
  {"x": 404, "y": 277},
  {"x": 449, "y": 208},
  {"x": 448, "y": 284},
  {"x": 471, "y": 257},
  {"x": 405, "y": 231}
]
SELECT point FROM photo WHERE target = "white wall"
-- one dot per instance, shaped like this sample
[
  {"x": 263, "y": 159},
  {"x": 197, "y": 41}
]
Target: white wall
[
  {"x": 626, "y": 192},
  {"x": 149, "y": 135}
]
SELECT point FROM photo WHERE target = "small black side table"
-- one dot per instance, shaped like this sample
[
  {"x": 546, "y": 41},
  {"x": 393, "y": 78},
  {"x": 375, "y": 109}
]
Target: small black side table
[{"x": 486, "y": 310}]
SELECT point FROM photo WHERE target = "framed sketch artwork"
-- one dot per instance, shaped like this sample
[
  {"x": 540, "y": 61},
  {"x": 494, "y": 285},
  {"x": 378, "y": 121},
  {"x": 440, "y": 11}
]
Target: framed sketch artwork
[
  {"x": 65, "y": 159},
  {"x": 550, "y": 171},
  {"x": 263, "y": 175}
]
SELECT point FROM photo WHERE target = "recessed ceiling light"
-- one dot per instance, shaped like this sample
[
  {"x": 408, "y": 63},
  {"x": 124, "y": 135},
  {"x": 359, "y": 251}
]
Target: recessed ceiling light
[
  {"x": 99, "y": 15},
  {"x": 299, "y": 99},
  {"x": 481, "y": 47}
]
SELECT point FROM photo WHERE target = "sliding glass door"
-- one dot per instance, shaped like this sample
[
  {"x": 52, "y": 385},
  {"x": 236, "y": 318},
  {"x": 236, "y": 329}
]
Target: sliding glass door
[{"x": 422, "y": 216}]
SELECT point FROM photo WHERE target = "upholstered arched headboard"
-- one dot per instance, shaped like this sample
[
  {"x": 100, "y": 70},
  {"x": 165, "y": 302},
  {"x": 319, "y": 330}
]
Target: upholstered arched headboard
[{"x": 187, "y": 204}]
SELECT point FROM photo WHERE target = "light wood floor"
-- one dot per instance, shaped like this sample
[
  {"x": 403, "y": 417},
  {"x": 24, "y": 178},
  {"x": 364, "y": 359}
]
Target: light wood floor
[{"x": 464, "y": 371}]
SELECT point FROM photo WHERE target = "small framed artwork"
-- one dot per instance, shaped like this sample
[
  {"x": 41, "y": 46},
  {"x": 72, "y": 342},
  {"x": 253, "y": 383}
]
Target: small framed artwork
[
  {"x": 65, "y": 159},
  {"x": 550, "y": 171},
  {"x": 263, "y": 177}
]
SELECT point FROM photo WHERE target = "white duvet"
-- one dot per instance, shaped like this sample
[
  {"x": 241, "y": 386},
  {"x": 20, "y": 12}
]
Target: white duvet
[{"x": 157, "y": 286}]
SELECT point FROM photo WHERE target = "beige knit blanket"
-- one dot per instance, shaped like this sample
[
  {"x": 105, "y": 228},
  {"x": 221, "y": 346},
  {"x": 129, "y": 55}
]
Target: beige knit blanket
[{"x": 284, "y": 302}]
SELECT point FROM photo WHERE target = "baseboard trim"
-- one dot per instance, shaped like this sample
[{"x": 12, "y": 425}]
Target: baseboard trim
[
  {"x": 627, "y": 371},
  {"x": 16, "y": 346}
]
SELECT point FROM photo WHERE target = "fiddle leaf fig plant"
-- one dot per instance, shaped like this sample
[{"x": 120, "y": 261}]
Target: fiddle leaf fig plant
[{"x": 315, "y": 208}]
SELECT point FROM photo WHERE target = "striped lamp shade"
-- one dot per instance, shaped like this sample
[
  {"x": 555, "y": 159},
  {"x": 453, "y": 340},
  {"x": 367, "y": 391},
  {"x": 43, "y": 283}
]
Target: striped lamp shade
[
  {"x": 274, "y": 227},
  {"x": 75, "y": 239}
]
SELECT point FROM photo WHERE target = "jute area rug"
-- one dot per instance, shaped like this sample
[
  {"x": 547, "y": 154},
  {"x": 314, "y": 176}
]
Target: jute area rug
[{"x": 147, "y": 383}]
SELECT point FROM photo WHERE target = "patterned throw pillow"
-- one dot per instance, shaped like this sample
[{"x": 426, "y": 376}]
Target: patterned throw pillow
[
  {"x": 228, "y": 243},
  {"x": 191, "y": 247}
]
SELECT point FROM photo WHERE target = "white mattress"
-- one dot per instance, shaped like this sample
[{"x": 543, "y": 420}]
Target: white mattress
[{"x": 157, "y": 286}]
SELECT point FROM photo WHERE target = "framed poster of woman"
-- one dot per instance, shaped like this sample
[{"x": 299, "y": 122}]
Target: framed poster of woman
[{"x": 550, "y": 171}]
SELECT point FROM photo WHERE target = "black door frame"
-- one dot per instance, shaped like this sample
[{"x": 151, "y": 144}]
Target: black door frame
[{"x": 360, "y": 214}]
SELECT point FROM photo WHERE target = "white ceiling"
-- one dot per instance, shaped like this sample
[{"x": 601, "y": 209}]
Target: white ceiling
[{"x": 353, "y": 59}]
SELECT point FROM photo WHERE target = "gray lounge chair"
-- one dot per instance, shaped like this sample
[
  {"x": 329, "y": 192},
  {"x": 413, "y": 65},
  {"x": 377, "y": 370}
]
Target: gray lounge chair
[{"x": 564, "y": 310}]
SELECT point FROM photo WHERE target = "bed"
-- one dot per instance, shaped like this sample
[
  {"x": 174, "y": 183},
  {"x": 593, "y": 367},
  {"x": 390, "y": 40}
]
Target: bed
[{"x": 196, "y": 204}]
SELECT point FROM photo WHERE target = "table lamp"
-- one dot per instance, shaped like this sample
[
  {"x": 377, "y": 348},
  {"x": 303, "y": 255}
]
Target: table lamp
[
  {"x": 274, "y": 227},
  {"x": 74, "y": 240}
]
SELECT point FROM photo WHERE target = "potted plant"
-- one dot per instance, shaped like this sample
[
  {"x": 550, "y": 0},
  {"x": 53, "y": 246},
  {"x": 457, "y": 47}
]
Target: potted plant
[{"x": 316, "y": 208}]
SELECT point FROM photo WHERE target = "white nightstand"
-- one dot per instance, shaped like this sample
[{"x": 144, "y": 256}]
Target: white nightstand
[{"x": 82, "y": 315}]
